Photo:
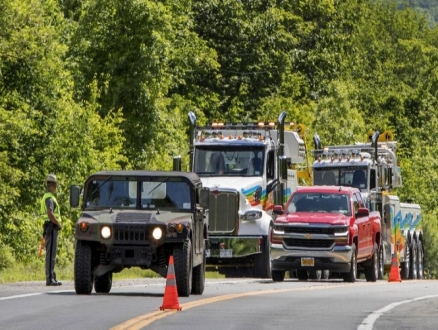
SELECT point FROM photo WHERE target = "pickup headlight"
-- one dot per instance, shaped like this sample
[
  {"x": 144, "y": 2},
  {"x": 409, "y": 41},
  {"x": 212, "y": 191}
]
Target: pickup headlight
[
  {"x": 105, "y": 232},
  {"x": 252, "y": 215},
  {"x": 342, "y": 236}
]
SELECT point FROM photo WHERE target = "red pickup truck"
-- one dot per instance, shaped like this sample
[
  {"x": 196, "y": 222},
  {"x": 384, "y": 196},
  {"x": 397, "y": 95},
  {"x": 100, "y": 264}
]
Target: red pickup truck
[{"x": 325, "y": 228}]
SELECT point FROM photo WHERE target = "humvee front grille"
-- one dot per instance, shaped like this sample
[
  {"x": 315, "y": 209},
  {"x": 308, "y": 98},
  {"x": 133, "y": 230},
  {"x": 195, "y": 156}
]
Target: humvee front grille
[
  {"x": 223, "y": 210},
  {"x": 130, "y": 234},
  {"x": 133, "y": 217}
]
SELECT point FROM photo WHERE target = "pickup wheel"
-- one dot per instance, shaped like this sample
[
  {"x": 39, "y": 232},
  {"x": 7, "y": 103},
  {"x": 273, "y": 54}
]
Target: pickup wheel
[
  {"x": 302, "y": 275},
  {"x": 182, "y": 254},
  {"x": 372, "y": 271},
  {"x": 414, "y": 264},
  {"x": 198, "y": 284},
  {"x": 262, "y": 264},
  {"x": 420, "y": 260},
  {"x": 82, "y": 268},
  {"x": 381, "y": 264},
  {"x": 103, "y": 284},
  {"x": 352, "y": 274},
  {"x": 278, "y": 275}
]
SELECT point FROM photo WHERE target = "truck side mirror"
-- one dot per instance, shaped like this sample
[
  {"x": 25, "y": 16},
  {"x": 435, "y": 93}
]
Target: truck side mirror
[
  {"x": 362, "y": 212},
  {"x": 75, "y": 193},
  {"x": 176, "y": 163},
  {"x": 278, "y": 209},
  {"x": 204, "y": 198}
]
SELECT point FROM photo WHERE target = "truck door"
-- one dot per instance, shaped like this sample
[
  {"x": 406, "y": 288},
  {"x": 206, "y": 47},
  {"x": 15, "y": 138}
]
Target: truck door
[{"x": 362, "y": 230}]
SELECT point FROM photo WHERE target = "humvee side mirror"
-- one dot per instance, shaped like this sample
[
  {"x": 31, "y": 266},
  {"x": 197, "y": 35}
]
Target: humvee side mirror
[
  {"x": 204, "y": 197},
  {"x": 75, "y": 193}
]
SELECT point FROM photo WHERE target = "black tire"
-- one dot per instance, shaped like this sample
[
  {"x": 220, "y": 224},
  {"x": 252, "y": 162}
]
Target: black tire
[
  {"x": 315, "y": 274},
  {"x": 302, "y": 275},
  {"x": 352, "y": 274},
  {"x": 278, "y": 275},
  {"x": 83, "y": 276},
  {"x": 381, "y": 271},
  {"x": 372, "y": 270},
  {"x": 406, "y": 265},
  {"x": 262, "y": 264},
  {"x": 182, "y": 255},
  {"x": 198, "y": 283},
  {"x": 420, "y": 261},
  {"x": 103, "y": 284},
  {"x": 414, "y": 264}
]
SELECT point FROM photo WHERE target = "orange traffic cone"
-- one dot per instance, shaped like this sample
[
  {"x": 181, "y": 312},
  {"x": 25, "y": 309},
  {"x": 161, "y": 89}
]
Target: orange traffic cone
[
  {"x": 170, "y": 299},
  {"x": 394, "y": 275},
  {"x": 41, "y": 247}
]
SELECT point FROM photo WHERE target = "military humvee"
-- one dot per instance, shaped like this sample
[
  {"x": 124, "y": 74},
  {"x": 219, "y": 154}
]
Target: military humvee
[{"x": 138, "y": 219}]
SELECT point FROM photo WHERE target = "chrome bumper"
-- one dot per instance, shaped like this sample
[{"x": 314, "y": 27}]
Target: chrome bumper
[{"x": 338, "y": 259}]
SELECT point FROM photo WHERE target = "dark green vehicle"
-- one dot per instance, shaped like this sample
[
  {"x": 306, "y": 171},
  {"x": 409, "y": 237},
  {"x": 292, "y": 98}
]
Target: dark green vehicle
[{"x": 138, "y": 219}]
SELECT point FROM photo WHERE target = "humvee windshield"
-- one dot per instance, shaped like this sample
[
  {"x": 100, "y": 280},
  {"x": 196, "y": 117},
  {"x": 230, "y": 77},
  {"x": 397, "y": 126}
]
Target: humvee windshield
[{"x": 116, "y": 192}]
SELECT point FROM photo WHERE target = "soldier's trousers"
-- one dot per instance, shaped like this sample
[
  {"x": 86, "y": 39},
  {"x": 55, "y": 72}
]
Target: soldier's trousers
[{"x": 51, "y": 239}]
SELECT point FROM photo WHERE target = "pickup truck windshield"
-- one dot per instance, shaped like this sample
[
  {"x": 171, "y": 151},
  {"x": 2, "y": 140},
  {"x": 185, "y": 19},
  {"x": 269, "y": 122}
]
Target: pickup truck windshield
[
  {"x": 320, "y": 202},
  {"x": 132, "y": 193}
]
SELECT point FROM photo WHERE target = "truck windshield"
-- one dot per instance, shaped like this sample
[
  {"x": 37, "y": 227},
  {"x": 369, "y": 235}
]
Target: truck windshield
[
  {"x": 319, "y": 202},
  {"x": 342, "y": 176},
  {"x": 229, "y": 161},
  {"x": 128, "y": 193}
]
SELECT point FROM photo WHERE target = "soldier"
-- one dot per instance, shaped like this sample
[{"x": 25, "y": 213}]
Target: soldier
[{"x": 52, "y": 216}]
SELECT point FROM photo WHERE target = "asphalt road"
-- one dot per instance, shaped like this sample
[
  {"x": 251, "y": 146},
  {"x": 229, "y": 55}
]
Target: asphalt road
[{"x": 226, "y": 304}]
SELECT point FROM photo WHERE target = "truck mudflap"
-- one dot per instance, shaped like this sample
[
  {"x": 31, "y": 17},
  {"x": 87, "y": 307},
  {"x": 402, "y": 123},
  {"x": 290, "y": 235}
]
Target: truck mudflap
[
  {"x": 229, "y": 248},
  {"x": 338, "y": 259}
]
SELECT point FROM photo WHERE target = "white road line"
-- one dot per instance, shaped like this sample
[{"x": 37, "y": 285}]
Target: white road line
[
  {"x": 22, "y": 296},
  {"x": 368, "y": 322}
]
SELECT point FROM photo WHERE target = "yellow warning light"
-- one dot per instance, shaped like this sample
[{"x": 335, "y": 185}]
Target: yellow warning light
[
  {"x": 261, "y": 124},
  {"x": 271, "y": 124}
]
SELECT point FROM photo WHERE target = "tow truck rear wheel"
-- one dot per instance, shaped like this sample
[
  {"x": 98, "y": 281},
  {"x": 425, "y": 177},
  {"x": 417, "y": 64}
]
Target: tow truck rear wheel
[
  {"x": 372, "y": 270},
  {"x": 82, "y": 268},
  {"x": 103, "y": 284},
  {"x": 198, "y": 284},
  {"x": 262, "y": 264},
  {"x": 420, "y": 260},
  {"x": 182, "y": 254},
  {"x": 352, "y": 274},
  {"x": 414, "y": 264},
  {"x": 406, "y": 265}
]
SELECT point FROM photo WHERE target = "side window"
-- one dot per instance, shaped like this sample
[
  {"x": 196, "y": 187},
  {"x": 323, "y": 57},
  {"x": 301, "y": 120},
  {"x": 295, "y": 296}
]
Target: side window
[
  {"x": 355, "y": 203},
  {"x": 360, "y": 200},
  {"x": 270, "y": 165}
]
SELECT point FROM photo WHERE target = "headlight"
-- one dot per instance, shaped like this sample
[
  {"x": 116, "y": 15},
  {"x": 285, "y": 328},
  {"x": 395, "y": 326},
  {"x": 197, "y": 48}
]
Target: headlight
[
  {"x": 105, "y": 232},
  {"x": 157, "y": 233},
  {"x": 252, "y": 215}
]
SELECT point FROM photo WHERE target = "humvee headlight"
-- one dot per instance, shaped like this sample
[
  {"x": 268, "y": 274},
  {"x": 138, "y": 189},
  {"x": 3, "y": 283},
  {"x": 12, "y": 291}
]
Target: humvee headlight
[
  {"x": 157, "y": 233},
  {"x": 105, "y": 232}
]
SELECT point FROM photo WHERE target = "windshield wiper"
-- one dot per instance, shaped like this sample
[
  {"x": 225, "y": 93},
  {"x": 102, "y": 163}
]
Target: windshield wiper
[
  {"x": 150, "y": 192},
  {"x": 100, "y": 186}
]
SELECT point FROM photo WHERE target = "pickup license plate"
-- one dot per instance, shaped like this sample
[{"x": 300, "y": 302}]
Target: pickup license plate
[
  {"x": 309, "y": 262},
  {"x": 226, "y": 253}
]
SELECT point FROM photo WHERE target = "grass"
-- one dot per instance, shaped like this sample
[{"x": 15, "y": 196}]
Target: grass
[{"x": 35, "y": 272}]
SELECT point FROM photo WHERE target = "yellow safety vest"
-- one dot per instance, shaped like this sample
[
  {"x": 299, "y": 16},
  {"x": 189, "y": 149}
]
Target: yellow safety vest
[{"x": 56, "y": 211}]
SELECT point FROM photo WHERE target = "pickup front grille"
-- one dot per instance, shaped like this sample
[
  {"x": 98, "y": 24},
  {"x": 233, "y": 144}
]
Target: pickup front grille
[
  {"x": 309, "y": 243},
  {"x": 223, "y": 209}
]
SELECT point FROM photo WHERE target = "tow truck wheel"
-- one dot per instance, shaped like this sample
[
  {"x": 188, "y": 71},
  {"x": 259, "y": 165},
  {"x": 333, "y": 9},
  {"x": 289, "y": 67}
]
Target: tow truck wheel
[
  {"x": 82, "y": 268},
  {"x": 262, "y": 264},
  {"x": 372, "y": 271},
  {"x": 182, "y": 254},
  {"x": 352, "y": 274},
  {"x": 315, "y": 274},
  {"x": 198, "y": 284},
  {"x": 278, "y": 275},
  {"x": 420, "y": 259},
  {"x": 406, "y": 265},
  {"x": 414, "y": 265},
  {"x": 103, "y": 284}
]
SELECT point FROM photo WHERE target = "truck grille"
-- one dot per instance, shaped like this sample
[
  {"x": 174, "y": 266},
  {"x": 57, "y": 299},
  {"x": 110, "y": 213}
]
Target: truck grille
[
  {"x": 130, "y": 234},
  {"x": 223, "y": 212},
  {"x": 133, "y": 217},
  {"x": 308, "y": 243}
]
